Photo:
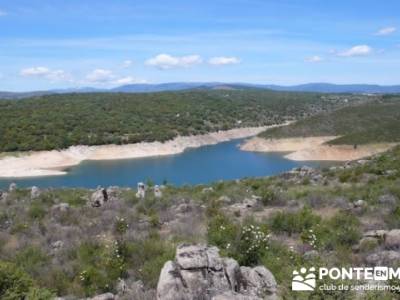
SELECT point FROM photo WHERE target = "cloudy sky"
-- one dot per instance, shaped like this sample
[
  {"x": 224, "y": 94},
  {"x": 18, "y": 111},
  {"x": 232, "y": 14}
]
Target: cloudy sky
[{"x": 50, "y": 44}]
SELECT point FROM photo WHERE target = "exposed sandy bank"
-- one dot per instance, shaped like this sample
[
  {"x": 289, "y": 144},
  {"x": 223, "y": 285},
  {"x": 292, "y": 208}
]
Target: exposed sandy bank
[
  {"x": 313, "y": 148},
  {"x": 43, "y": 163},
  {"x": 339, "y": 152},
  {"x": 258, "y": 144}
]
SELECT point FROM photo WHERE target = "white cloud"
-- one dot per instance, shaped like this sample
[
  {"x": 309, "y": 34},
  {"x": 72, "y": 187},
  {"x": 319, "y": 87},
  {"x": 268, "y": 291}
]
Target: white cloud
[
  {"x": 108, "y": 77},
  {"x": 2, "y": 13},
  {"x": 35, "y": 71},
  {"x": 360, "y": 50},
  {"x": 128, "y": 80},
  {"x": 100, "y": 76},
  {"x": 314, "y": 59},
  {"x": 223, "y": 60},
  {"x": 386, "y": 31},
  {"x": 44, "y": 72},
  {"x": 166, "y": 61},
  {"x": 127, "y": 63}
]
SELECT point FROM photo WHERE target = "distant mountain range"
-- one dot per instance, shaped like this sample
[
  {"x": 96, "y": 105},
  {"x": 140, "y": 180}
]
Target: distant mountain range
[{"x": 180, "y": 86}]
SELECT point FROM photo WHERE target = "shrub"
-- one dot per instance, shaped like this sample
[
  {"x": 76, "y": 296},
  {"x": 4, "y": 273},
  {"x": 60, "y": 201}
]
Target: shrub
[
  {"x": 31, "y": 259},
  {"x": 221, "y": 231},
  {"x": 100, "y": 266},
  {"x": 15, "y": 284},
  {"x": 245, "y": 243},
  {"x": 268, "y": 197},
  {"x": 250, "y": 245},
  {"x": 296, "y": 222},
  {"x": 147, "y": 257},
  {"x": 342, "y": 230},
  {"x": 121, "y": 226},
  {"x": 36, "y": 211}
]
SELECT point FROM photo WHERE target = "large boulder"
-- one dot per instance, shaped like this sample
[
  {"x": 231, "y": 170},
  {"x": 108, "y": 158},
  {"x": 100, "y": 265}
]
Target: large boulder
[
  {"x": 198, "y": 272},
  {"x": 99, "y": 197}
]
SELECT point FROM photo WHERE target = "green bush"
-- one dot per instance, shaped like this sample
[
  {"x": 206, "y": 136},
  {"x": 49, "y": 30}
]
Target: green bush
[
  {"x": 296, "y": 222},
  {"x": 15, "y": 284},
  {"x": 268, "y": 197},
  {"x": 245, "y": 242},
  {"x": 100, "y": 266},
  {"x": 221, "y": 231},
  {"x": 147, "y": 257},
  {"x": 31, "y": 259},
  {"x": 342, "y": 230},
  {"x": 36, "y": 211}
]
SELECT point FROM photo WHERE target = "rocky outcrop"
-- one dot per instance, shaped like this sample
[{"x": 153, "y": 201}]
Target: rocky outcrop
[
  {"x": 198, "y": 272},
  {"x": 99, "y": 197}
]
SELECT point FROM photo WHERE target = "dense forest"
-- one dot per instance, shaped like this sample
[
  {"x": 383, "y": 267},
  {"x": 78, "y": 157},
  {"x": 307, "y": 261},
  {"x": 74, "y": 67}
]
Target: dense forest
[
  {"x": 372, "y": 122},
  {"x": 59, "y": 121}
]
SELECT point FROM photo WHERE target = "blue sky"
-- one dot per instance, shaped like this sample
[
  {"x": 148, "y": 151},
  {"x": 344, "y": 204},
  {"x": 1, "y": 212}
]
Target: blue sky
[{"x": 50, "y": 44}]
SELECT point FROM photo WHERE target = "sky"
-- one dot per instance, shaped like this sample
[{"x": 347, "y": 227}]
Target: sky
[{"x": 51, "y": 44}]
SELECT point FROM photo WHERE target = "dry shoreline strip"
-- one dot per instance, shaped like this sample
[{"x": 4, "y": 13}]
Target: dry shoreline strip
[
  {"x": 314, "y": 148},
  {"x": 46, "y": 163}
]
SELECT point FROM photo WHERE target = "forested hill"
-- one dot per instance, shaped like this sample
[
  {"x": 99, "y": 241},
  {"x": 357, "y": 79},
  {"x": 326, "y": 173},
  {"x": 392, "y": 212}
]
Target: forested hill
[
  {"x": 59, "y": 121},
  {"x": 372, "y": 122}
]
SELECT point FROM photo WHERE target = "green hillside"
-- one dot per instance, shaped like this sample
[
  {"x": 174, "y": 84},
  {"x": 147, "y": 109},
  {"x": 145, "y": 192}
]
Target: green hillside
[
  {"x": 377, "y": 121},
  {"x": 58, "y": 121}
]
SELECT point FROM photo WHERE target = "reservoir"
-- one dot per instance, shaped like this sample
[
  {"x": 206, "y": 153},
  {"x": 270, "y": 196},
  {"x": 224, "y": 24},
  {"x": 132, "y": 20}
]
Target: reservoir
[{"x": 223, "y": 161}]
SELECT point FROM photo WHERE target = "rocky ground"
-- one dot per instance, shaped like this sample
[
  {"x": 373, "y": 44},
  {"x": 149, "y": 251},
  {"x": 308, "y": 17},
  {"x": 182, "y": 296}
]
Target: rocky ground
[{"x": 238, "y": 240}]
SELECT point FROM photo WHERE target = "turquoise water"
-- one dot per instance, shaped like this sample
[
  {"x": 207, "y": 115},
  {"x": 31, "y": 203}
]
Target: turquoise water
[{"x": 224, "y": 161}]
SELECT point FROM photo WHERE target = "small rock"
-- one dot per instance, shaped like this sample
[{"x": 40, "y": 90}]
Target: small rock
[
  {"x": 12, "y": 187},
  {"x": 360, "y": 204},
  {"x": 388, "y": 200},
  {"x": 157, "y": 191},
  {"x": 225, "y": 199},
  {"x": 141, "y": 190},
  {"x": 392, "y": 239},
  {"x": 378, "y": 234},
  {"x": 390, "y": 172},
  {"x": 341, "y": 203},
  {"x": 383, "y": 258},
  {"x": 57, "y": 245},
  {"x": 35, "y": 192},
  {"x": 207, "y": 190},
  {"x": 249, "y": 203},
  {"x": 121, "y": 287},
  {"x": 362, "y": 161},
  {"x": 61, "y": 207},
  {"x": 106, "y": 296}
]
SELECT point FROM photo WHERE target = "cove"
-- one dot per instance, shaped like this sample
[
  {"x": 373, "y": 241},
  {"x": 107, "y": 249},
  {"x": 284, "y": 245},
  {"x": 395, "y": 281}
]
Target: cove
[{"x": 223, "y": 161}]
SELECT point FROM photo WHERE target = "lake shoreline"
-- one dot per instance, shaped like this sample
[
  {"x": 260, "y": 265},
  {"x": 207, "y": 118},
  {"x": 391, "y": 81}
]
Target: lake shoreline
[
  {"x": 314, "y": 148},
  {"x": 55, "y": 162}
]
